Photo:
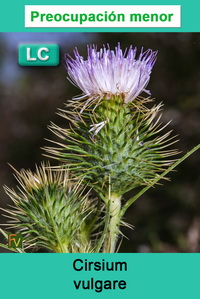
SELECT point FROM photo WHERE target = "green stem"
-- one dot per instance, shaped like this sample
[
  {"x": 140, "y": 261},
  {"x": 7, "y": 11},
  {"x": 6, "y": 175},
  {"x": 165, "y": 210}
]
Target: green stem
[
  {"x": 103, "y": 236},
  {"x": 130, "y": 201},
  {"x": 113, "y": 226}
]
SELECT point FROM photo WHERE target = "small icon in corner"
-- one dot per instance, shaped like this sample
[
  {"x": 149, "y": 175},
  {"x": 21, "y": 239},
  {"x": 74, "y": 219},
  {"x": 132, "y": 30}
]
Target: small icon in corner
[{"x": 15, "y": 240}]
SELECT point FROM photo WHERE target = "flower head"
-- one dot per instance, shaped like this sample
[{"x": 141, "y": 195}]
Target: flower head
[{"x": 111, "y": 72}]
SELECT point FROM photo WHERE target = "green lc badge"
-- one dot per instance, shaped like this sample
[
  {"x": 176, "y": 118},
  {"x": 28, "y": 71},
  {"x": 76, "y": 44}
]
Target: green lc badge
[{"x": 38, "y": 55}]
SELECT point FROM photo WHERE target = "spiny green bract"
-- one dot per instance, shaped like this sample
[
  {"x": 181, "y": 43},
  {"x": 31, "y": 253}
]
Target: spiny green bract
[
  {"x": 115, "y": 145},
  {"x": 51, "y": 212}
]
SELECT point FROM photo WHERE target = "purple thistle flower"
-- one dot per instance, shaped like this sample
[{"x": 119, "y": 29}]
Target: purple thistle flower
[{"x": 111, "y": 72}]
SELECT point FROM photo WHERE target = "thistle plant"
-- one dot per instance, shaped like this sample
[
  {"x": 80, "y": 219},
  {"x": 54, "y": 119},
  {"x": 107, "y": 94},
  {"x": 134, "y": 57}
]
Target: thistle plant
[
  {"x": 51, "y": 212},
  {"x": 113, "y": 142}
]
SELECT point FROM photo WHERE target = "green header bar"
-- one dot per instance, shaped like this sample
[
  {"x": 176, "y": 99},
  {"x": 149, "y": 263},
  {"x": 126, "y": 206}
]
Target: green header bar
[{"x": 12, "y": 16}]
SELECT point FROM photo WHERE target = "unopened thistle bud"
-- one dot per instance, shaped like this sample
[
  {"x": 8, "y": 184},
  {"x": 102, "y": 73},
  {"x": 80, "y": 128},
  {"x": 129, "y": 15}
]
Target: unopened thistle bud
[{"x": 50, "y": 211}]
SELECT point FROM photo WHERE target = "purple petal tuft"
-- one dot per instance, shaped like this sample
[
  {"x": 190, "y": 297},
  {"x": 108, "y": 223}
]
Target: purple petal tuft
[{"x": 108, "y": 72}]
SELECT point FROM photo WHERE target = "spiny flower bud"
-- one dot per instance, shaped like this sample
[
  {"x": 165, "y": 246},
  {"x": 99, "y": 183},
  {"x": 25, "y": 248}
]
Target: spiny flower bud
[
  {"x": 124, "y": 151},
  {"x": 50, "y": 211}
]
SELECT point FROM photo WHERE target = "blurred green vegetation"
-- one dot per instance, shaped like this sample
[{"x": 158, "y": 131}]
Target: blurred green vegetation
[{"x": 165, "y": 219}]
